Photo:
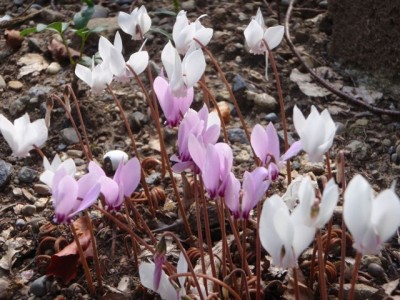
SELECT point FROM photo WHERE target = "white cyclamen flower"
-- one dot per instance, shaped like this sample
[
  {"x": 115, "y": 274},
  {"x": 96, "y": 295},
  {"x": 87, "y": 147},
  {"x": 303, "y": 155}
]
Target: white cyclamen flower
[
  {"x": 370, "y": 220},
  {"x": 282, "y": 234},
  {"x": 316, "y": 132},
  {"x": 315, "y": 213},
  {"x": 116, "y": 157},
  {"x": 97, "y": 78},
  {"x": 136, "y": 24},
  {"x": 23, "y": 135},
  {"x": 257, "y": 35},
  {"x": 184, "y": 74},
  {"x": 186, "y": 33},
  {"x": 50, "y": 169}
]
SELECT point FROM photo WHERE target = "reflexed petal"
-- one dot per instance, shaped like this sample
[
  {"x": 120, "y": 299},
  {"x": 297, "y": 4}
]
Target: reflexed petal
[
  {"x": 211, "y": 172},
  {"x": 58, "y": 176},
  {"x": 258, "y": 140},
  {"x": 89, "y": 199},
  {"x": 47, "y": 177},
  {"x": 144, "y": 21},
  {"x": 253, "y": 35},
  {"x": 293, "y": 150},
  {"x": 273, "y": 36},
  {"x": 307, "y": 197},
  {"x": 197, "y": 152},
  {"x": 146, "y": 274},
  {"x": 9, "y": 134},
  {"x": 298, "y": 120},
  {"x": 303, "y": 235},
  {"x": 164, "y": 96},
  {"x": 204, "y": 35},
  {"x": 138, "y": 61},
  {"x": 385, "y": 214},
  {"x": 94, "y": 168},
  {"x": 65, "y": 198},
  {"x": 231, "y": 197},
  {"x": 357, "y": 207},
  {"x": 193, "y": 67},
  {"x": 130, "y": 176},
  {"x": 110, "y": 190},
  {"x": 329, "y": 201},
  {"x": 39, "y": 132},
  {"x": 272, "y": 142},
  {"x": 168, "y": 56},
  {"x": 182, "y": 267},
  {"x": 285, "y": 232},
  {"x": 127, "y": 23},
  {"x": 84, "y": 73},
  {"x": 116, "y": 62}
]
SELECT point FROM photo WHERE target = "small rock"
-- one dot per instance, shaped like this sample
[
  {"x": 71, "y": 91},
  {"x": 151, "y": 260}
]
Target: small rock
[
  {"x": 15, "y": 85},
  {"x": 395, "y": 158},
  {"x": 69, "y": 136},
  {"x": 6, "y": 171},
  {"x": 2, "y": 83},
  {"x": 53, "y": 68},
  {"x": 75, "y": 153},
  {"x": 237, "y": 135},
  {"x": 398, "y": 150},
  {"x": 376, "y": 270},
  {"x": 358, "y": 149},
  {"x": 323, "y": 4},
  {"x": 38, "y": 287},
  {"x": 188, "y": 5},
  {"x": 39, "y": 91},
  {"x": 17, "y": 192},
  {"x": 315, "y": 168},
  {"x": 243, "y": 156},
  {"x": 99, "y": 11},
  {"x": 20, "y": 223},
  {"x": 386, "y": 142},
  {"x": 391, "y": 150},
  {"x": 238, "y": 83},
  {"x": 153, "y": 178},
  {"x": 137, "y": 120},
  {"x": 41, "y": 189},
  {"x": 41, "y": 203},
  {"x": 271, "y": 117},
  {"x": 28, "y": 210},
  {"x": 265, "y": 101},
  {"x": 18, "y": 105},
  {"x": 27, "y": 175}
]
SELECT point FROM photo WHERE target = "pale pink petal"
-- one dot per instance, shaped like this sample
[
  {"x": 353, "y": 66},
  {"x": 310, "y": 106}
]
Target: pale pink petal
[{"x": 258, "y": 140}]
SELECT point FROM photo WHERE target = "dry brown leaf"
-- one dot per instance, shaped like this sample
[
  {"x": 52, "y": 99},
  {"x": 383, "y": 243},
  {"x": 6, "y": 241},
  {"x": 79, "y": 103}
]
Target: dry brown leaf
[{"x": 13, "y": 39}]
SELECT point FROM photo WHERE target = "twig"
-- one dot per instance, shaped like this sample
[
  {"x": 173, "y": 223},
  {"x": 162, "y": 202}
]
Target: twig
[{"x": 352, "y": 100}]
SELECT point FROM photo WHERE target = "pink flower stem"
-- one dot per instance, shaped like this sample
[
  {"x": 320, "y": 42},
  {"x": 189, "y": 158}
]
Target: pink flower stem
[
  {"x": 296, "y": 284},
  {"x": 164, "y": 155},
  {"x": 95, "y": 252},
  {"x": 206, "y": 90},
  {"x": 83, "y": 261},
  {"x": 130, "y": 134},
  {"x": 281, "y": 105},
  {"x": 355, "y": 276},
  {"x": 321, "y": 264},
  {"x": 39, "y": 151},
  {"x": 68, "y": 112},
  {"x": 78, "y": 110},
  {"x": 258, "y": 253}
]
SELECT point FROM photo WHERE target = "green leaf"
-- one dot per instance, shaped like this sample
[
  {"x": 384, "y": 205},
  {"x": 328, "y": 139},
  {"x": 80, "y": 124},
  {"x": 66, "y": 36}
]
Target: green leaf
[
  {"x": 27, "y": 31},
  {"x": 89, "y": 3},
  {"x": 59, "y": 27},
  {"x": 161, "y": 31},
  {"x": 81, "y": 19}
]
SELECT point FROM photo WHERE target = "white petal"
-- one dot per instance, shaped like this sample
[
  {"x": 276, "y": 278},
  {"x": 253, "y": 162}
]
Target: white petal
[
  {"x": 139, "y": 61},
  {"x": 84, "y": 73},
  {"x": 193, "y": 67},
  {"x": 253, "y": 35},
  {"x": 329, "y": 201},
  {"x": 273, "y": 36},
  {"x": 182, "y": 267},
  {"x": 357, "y": 207},
  {"x": 127, "y": 23}
]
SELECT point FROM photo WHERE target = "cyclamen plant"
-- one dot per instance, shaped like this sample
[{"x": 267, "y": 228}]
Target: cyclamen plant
[{"x": 284, "y": 233}]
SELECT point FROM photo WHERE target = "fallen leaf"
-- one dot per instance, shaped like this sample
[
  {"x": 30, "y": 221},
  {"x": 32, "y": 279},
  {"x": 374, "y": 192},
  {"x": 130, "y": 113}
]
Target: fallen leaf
[
  {"x": 65, "y": 263},
  {"x": 305, "y": 85},
  {"x": 361, "y": 92},
  {"x": 8, "y": 259},
  {"x": 32, "y": 63}
]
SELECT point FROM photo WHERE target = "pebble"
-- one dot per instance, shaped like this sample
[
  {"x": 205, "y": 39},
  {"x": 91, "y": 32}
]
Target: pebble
[
  {"x": 243, "y": 156},
  {"x": 28, "y": 210},
  {"x": 395, "y": 158},
  {"x": 75, "y": 153},
  {"x": 38, "y": 286},
  {"x": 18, "y": 106},
  {"x": 358, "y": 149},
  {"x": 69, "y": 136},
  {"x": 137, "y": 120},
  {"x": 265, "y": 101},
  {"x": 39, "y": 91},
  {"x": 27, "y": 175},
  {"x": 398, "y": 150},
  {"x": 17, "y": 192},
  {"x": 6, "y": 171},
  {"x": 2, "y": 83},
  {"x": 41, "y": 189},
  {"x": 386, "y": 142},
  {"x": 238, "y": 83},
  {"x": 53, "y": 68},
  {"x": 20, "y": 223},
  {"x": 41, "y": 203},
  {"x": 271, "y": 117},
  {"x": 188, "y": 5},
  {"x": 237, "y": 135},
  {"x": 100, "y": 11},
  {"x": 15, "y": 85}
]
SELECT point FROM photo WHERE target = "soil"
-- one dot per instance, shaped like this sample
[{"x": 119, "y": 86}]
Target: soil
[{"x": 371, "y": 142}]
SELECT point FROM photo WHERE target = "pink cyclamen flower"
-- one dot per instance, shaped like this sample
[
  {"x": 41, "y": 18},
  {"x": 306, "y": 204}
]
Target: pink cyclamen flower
[
  {"x": 125, "y": 181},
  {"x": 174, "y": 108},
  {"x": 70, "y": 196},
  {"x": 282, "y": 234},
  {"x": 214, "y": 162},
  {"x": 257, "y": 36},
  {"x": 136, "y": 24},
  {"x": 316, "y": 132},
  {"x": 265, "y": 143},
  {"x": 22, "y": 135},
  {"x": 254, "y": 187},
  {"x": 203, "y": 125},
  {"x": 182, "y": 74},
  {"x": 371, "y": 220},
  {"x": 184, "y": 33}
]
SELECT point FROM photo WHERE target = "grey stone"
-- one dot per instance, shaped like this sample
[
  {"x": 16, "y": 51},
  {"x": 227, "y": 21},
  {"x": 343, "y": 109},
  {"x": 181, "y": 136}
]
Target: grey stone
[
  {"x": 28, "y": 210},
  {"x": 398, "y": 150},
  {"x": 27, "y": 175},
  {"x": 395, "y": 158},
  {"x": 39, "y": 91},
  {"x": 100, "y": 11},
  {"x": 265, "y": 101},
  {"x": 53, "y": 68},
  {"x": 2, "y": 83},
  {"x": 153, "y": 178},
  {"x": 20, "y": 223},
  {"x": 271, "y": 117},
  {"x": 6, "y": 171},
  {"x": 238, "y": 83},
  {"x": 237, "y": 135},
  {"x": 41, "y": 189},
  {"x": 340, "y": 128},
  {"x": 69, "y": 136},
  {"x": 19, "y": 105},
  {"x": 188, "y": 5},
  {"x": 137, "y": 120},
  {"x": 38, "y": 286}
]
